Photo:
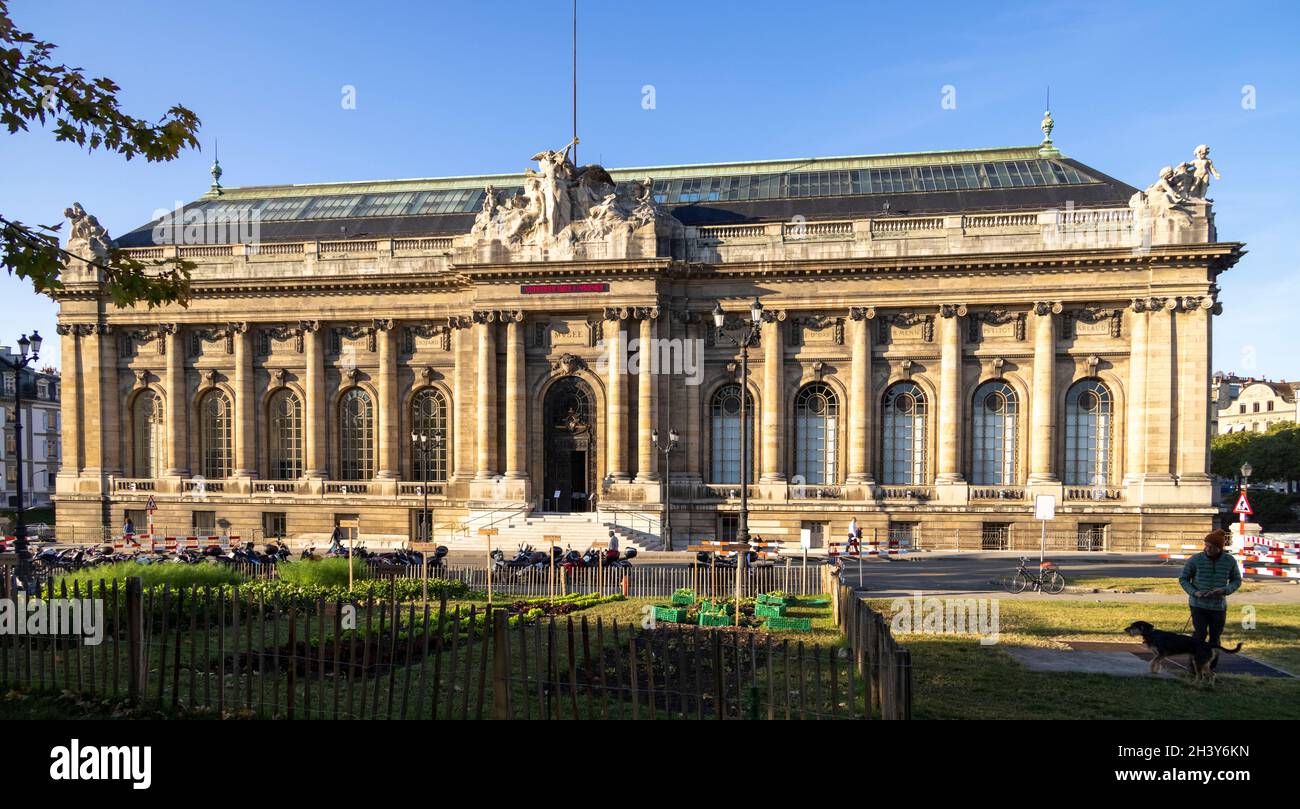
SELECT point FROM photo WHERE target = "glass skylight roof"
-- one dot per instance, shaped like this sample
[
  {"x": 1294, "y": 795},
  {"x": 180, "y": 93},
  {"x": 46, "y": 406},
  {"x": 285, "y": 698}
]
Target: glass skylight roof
[{"x": 681, "y": 191}]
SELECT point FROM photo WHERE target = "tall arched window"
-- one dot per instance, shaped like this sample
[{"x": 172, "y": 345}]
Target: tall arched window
[
  {"x": 993, "y": 434},
  {"x": 429, "y": 419},
  {"x": 149, "y": 431},
  {"x": 285, "y": 436},
  {"x": 356, "y": 436},
  {"x": 816, "y": 418},
  {"x": 215, "y": 417},
  {"x": 1088, "y": 409},
  {"x": 725, "y": 424},
  {"x": 903, "y": 434}
]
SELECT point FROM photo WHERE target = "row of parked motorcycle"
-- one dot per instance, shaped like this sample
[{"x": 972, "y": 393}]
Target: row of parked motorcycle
[
  {"x": 401, "y": 556},
  {"x": 527, "y": 558}
]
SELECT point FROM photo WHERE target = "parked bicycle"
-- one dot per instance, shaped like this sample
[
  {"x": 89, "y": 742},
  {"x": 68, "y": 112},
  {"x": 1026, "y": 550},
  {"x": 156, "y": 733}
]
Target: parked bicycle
[{"x": 1046, "y": 579}]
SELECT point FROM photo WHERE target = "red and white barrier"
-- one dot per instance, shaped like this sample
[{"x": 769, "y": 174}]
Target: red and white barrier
[{"x": 1282, "y": 572}]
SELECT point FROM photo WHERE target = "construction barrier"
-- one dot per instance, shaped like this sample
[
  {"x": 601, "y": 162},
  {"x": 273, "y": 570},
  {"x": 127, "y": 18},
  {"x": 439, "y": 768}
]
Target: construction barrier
[{"x": 1266, "y": 556}]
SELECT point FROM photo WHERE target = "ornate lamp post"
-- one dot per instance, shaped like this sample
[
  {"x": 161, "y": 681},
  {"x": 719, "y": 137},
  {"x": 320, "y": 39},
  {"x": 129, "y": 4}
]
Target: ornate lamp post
[
  {"x": 426, "y": 444},
  {"x": 667, "y": 449},
  {"x": 744, "y": 335},
  {"x": 24, "y": 360}
]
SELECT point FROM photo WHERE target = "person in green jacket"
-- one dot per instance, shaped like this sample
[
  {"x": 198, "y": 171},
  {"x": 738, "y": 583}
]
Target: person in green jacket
[{"x": 1209, "y": 578}]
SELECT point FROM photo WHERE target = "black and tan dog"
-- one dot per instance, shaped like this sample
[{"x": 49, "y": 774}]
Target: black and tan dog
[{"x": 1202, "y": 656}]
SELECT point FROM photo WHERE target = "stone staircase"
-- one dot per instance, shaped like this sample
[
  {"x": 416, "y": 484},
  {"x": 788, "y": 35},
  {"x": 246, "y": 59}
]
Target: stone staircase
[{"x": 578, "y": 531}]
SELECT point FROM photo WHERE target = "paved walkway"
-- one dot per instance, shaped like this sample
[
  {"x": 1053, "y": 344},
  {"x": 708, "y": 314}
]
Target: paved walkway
[{"x": 964, "y": 574}]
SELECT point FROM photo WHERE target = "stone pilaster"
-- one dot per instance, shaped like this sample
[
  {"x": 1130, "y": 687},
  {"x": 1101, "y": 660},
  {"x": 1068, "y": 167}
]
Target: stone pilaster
[
  {"x": 686, "y": 459},
  {"x": 773, "y": 470},
  {"x": 486, "y": 416},
  {"x": 178, "y": 436},
  {"x": 463, "y": 460},
  {"x": 516, "y": 399},
  {"x": 390, "y": 417},
  {"x": 1135, "y": 465},
  {"x": 950, "y": 409},
  {"x": 616, "y": 398},
  {"x": 315, "y": 427},
  {"x": 1161, "y": 402},
  {"x": 71, "y": 395},
  {"x": 647, "y": 405},
  {"x": 1193, "y": 327},
  {"x": 245, "y": 403},
  {"x": 1042, "y": 408},
  {"x": 861, "y": 397}
]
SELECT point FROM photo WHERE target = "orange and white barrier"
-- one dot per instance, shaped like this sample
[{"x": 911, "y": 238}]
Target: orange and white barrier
[
  {"x": 1282, "y": 572},
  {"x": 1184, "y": 551},
  {"x": 867, "y": 548}
]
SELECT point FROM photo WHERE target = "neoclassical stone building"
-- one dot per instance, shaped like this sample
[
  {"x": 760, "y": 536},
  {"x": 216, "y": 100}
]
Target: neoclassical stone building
[{"x": 943, "y": 336}]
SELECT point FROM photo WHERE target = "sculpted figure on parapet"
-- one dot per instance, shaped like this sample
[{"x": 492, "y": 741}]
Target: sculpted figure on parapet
[
  {"x": 1189, "y": 180},
  {"x": 563, "y": 204},
  {"x": 87, "y": 238}
]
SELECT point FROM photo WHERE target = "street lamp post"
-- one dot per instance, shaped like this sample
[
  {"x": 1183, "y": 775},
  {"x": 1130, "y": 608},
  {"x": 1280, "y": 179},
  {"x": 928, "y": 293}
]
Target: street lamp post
[
  {"x": 426, "y": 444},
  {"x": 24, "y": 360},
  {"x": 667, "y": 449},
  {"x": 744, "y": 337}
]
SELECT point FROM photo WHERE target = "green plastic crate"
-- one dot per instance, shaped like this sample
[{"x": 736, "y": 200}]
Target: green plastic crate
[
  {"x": 795, "y": 624},
  {"x": 717, "y": 608},
  {"x": 785, "y": 600},
  {"x": 714, "y": 619},
  {"x": 683, "y": 598},
  {"x": 769, "y": 610},
  {"x": 664, "y": 612}
]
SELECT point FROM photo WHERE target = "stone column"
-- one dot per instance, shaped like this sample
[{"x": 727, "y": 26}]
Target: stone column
[
  {"x": 687, "y": 457},
  {"x": 1042, "y": 431},
  {"x": 616, "y": 398},
  {"x": 950, "y": 409},
  {"x": 315, "y": 427},
  {"x": 178, "y": 441},
  {"x": 861, "y": 397},
  {"x": 486, "y": 417},
  {"x": 773, "y": 470},
  {"x": 1161, "y": 403},
  {"x": 463, "y": 377},
  {"x": 390, "y": 417},
  {"x": 71, "y": 393},
  {"x": 246, "y": 406},
  {"x": 110, "y": 423},
  {"x": 647, "y": 470},
  {"x": 516, "y": 399},
  {"x": 1193, "y": 327},
  {"x": 1135, "y": 465}
]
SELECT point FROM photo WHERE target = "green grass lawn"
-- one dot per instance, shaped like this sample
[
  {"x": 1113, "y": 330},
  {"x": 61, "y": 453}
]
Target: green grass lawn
[
  {"x": 954, "y": 677},
  {"x": 1167, "y": 586}
]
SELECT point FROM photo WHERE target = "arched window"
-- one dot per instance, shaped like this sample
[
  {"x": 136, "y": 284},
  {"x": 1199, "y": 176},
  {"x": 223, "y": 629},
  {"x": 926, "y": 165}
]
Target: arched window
[
  {"x": 356, "y": 436},
  {"x": 149, "y": 431},
  {"x": 816, "y": 418},
  {"x": 429, "y": 419},
  {"x": 1088, "y": 410},
  {"x": 215, "y": 417},
  {"x": 285, "y": 436},
  {"x": 993, "y": 434},
  {"x": 903, "y": 444},
  {"x": 725, "y": 455}
]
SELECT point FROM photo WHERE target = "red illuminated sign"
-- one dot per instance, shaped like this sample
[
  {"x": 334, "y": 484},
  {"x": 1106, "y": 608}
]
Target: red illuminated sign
[{"x": 561, "y": 289}]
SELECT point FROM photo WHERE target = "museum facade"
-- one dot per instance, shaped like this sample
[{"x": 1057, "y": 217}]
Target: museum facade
[{"x": 940, "y": 338}]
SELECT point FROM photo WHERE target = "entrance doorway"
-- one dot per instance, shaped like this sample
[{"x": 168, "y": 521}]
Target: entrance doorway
[{"x": 570, "y": 446}]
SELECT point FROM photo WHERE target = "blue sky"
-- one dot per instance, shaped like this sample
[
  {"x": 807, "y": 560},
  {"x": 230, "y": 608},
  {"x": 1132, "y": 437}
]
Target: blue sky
[{"x": 461, "y": 88}]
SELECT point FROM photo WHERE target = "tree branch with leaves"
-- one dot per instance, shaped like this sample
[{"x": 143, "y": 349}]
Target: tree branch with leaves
[{"x": 35, "y": 89}]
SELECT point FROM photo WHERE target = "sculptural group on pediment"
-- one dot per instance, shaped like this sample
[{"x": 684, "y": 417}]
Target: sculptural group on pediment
[
  {"x": 562, "y": 204},
  {"x": 1178, "y": 185}
]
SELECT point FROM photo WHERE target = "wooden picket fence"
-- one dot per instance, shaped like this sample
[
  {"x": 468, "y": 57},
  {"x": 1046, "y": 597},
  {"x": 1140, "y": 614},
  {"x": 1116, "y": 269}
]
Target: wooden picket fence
[
  {"x": 241, "y": 655},
  {"x": 885, "y": 664}
]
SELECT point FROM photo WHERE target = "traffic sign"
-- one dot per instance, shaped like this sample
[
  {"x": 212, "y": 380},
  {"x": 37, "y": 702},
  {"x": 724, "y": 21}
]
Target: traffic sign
[
  {"x": 152, "y": 505},
  {"x": 1243, "y": 506},
  {"x": 1045, "y": 507}
]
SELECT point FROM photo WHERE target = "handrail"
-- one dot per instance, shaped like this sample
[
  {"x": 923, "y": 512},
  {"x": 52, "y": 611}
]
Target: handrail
[
  {"x": 654, "y": 525},
  {"x": 509, "y": 511}
]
